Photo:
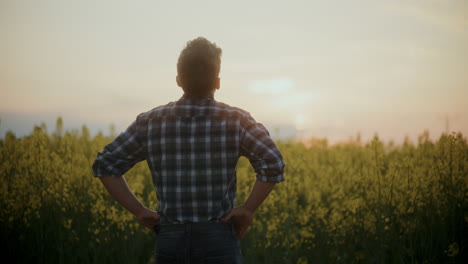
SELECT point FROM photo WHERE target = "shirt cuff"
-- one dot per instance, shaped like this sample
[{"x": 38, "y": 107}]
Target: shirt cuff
[
  {"x": 100, "y": 170},
  {"x": 278, "y": 178}
]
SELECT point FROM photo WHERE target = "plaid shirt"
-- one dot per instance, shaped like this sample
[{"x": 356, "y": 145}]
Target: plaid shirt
[{"x": 192, "y": 147}]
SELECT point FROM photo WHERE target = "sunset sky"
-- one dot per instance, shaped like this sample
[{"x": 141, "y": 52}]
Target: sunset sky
[{"x": 302, "y": 68}]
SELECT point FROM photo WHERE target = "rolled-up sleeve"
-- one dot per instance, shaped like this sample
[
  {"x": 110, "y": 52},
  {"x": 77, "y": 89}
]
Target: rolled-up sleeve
[
  {"x": 121, "y": 154},
  {"x": 261, "y": 150}
]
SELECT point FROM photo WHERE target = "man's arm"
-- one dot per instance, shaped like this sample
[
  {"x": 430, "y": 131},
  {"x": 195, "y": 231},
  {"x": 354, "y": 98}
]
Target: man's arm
[
  {"x": 243, "y": 215},
  {"x": 267, "y": 161},
  {"x": 119, "y": 190},
  {"x": 117, "y": 158}
]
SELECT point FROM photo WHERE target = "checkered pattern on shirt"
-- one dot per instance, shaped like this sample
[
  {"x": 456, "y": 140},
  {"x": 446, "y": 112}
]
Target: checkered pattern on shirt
[{"x": 192, "y": 147}]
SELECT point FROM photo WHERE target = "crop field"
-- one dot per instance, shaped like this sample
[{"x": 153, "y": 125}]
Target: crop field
[{"x": 353, "y": 202}]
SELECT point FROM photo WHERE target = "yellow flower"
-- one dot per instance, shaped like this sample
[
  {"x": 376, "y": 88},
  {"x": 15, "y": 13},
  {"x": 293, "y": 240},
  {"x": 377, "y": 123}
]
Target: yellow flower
[
  {"x": 68, "y": 223},
  {"x": 302, "y": 261},
  {"x": 452, "y": 250}
]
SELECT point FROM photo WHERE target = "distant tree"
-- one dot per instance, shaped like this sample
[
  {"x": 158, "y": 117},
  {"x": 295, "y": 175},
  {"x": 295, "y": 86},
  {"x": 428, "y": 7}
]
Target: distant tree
[
  {"x": 43, "y": 127},
  {"x": 59, "y": 127},
  {"x": 112, "y": 130},
  {"x": 85, "y": 133}
]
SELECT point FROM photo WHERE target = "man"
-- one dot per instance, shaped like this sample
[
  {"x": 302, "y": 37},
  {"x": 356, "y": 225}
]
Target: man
[{"x": 192, "y": 147}]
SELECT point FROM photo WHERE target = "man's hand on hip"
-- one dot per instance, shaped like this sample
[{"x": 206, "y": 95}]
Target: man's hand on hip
[
  {"x": 119, "y": 190},
  {"x": 148, "y": 218},
  {"x": 242, "y": 219},
  {"x": 243, "y": 215}
]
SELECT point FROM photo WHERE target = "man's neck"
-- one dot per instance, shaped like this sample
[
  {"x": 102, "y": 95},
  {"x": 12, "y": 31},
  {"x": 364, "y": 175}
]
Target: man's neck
[{"x": 198, "y": 97}]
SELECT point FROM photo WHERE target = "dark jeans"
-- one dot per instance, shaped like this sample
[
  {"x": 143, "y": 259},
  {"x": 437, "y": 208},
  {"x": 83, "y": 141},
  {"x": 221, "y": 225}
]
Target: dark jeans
[{"x": 194, "y": 243}]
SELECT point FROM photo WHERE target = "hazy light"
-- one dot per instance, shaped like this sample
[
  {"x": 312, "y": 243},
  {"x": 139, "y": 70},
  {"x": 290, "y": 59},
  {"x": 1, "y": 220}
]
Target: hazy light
[
  {"x": 331, "y": 71},
  {"x": 300, "y": 122},
  {"x": 275, "y": 86}
]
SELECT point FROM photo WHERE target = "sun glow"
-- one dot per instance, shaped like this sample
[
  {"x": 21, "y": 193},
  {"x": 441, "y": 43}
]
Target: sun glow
[
  {"x": 299, "y": 122},
  {"x": 274, "y": 86}
]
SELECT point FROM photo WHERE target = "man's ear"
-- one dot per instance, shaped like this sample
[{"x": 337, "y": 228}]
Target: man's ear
[
  {"x": 217, "y": 83},
  {"x": 178, "y": 81}
]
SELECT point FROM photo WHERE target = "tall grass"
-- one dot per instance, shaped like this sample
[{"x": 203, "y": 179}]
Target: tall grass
[{"x": 355, "y": 202}]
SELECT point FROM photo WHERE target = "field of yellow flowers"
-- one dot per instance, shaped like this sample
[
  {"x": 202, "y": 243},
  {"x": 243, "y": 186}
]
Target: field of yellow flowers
[{"x": 354, "y": 202}]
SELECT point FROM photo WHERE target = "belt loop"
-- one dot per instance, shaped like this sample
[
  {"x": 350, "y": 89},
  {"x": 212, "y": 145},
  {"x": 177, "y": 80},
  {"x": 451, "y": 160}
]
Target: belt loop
[{"x": 233, "y": 228}]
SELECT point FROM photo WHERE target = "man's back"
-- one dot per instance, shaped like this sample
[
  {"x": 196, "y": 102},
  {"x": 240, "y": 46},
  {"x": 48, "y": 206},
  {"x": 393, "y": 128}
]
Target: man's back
[{"x": 192, "y": 147}]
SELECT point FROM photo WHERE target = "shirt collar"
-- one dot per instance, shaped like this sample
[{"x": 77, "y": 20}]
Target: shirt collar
[{"x": 190, "y": 98}]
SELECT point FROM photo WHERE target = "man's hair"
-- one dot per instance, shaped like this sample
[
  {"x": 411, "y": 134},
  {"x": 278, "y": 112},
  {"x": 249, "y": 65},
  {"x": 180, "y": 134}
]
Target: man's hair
[{"x": 198, "y": 66}]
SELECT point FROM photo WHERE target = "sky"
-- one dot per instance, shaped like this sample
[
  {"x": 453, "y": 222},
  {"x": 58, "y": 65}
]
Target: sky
[{"x": 325, "y": 69}]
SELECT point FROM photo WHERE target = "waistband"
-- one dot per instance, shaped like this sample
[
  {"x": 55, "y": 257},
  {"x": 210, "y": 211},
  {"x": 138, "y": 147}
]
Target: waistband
[
  {"x": 202, "y": 227},
  {"x": 166, "y": 221}
]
